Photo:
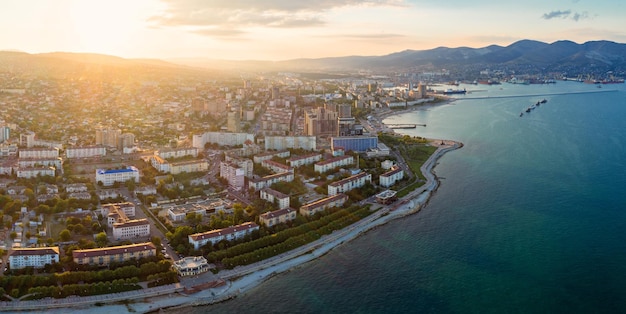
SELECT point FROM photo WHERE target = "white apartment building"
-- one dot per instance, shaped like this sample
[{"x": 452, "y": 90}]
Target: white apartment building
[
  {"x": 221, "y": 138},
  {"x": 76, "y": 187},
  {"x": 332, "y": 163},
  {"x": 117, "y": 211},
  {"x": 390, "y": 178},
  {"x": 33, "y": 257},
  {"x": 246, "y": 164},
  {"x": 347, "y": 184},
  {"x": 297, "y": 161},
  {"x": 57, "y": 163},
  {"x": 109, "y": 176},
  {"x": 177, "y": 152},
  {"x": 321, "y": 205},
  {"x": 189, "y": 166},
  {"x": 35, "y": 172},
  {"x": 271, "y": 195},
  {"x": 38, "y": 153},
  {"x": 85, "y": 152},
  {"x": 228, "y": 234},
  {"x": 267, "y": 181},
  {"x": 130, "y": 229},
  {"x": 279, "y": 216},
  {"x": 276, "y": 166},
  {"x": 269, "y": 155},
  {"x": 234, "y": 174},
  {"x": 285, "y": 142}
]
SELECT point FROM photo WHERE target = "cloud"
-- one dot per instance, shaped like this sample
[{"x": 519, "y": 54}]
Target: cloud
[
  {"x": 218, "y": 32},
  {"x": 237, "y": 14},
  {"x": 557, "y": 14},
  {"x": 576, "y": 16}
]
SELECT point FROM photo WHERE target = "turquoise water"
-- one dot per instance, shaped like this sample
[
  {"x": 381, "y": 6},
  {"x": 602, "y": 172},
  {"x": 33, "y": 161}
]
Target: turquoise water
[{"x": 530, "y": 218}]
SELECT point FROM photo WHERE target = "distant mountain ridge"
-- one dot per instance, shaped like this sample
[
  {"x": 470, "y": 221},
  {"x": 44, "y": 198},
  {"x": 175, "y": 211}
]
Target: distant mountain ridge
[
  {"x": 558, "y": 55},
  {"x": 522, "y": 56}
]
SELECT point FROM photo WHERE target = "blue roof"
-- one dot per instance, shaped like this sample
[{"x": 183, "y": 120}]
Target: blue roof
[{"x": 107, "y": 171}]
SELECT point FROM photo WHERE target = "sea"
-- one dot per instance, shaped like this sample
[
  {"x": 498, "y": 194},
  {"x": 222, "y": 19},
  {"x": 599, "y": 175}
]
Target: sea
[{"x": 530, "y": 216}]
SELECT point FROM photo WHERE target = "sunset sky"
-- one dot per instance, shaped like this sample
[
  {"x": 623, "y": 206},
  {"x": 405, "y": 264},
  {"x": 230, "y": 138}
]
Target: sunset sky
[{"x": 288, "y": 29}]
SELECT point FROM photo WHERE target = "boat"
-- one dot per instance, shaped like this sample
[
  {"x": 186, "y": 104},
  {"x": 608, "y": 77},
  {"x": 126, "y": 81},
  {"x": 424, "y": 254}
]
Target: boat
[
  {"x": 544, "y": 101},
  {"x": 538, "y": 104},
  {"x": 529, "y": 109},
  {"x": 450, "y": 91},
  {"x": 521, "y": 114}
]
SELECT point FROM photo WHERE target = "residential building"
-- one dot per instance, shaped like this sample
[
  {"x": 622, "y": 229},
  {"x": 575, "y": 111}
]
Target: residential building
[
  {"x": 130, "y": 229},
  {"x": 189, "y": 166},
  {"x": 276, "y": 166},
  {"x": 273, "y": 196},
  {"x": 279, "y": 216},
  {"x": 332, "y": 163},
  {"x": 191, "y": 266},
  {"x": 57, "y": 163},
  {"x": 297, "y": 161},
  {"x": 286, "y": 142},
  {"x": 246, "y": 164},
  {"x": 390, "y": 177},
  {"x": 228, "y": 234},
  {"x": 166, "y": 153},
  {"x": 76, "y": 187},
  {"x": 259, "y": 158},
  {"x": 108, "y": 137},
  {"x": 50, "y": 153},
  {"x": 347, "y": 184},
  {"x": 33, "y": 257},
  {"x": 35, "y": 172},
  {"x": 221, "y": 138},
  {"x": 267, "y": 181},
  {"x": 107, "y": 255},
  {"x": 323, "y": 204},
  {"x": 320, "y": 122},
  {"x": 85, "y": 152},
  {"x": 109, "y": 176},
  {"x": 178, "y": 213},
  {"x": 354, "y": 143},
  {"x": 234, "y": 174}
]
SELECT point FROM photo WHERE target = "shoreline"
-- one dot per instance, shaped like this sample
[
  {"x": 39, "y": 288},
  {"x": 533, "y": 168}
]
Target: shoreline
[{"x": 242, "y": 279}]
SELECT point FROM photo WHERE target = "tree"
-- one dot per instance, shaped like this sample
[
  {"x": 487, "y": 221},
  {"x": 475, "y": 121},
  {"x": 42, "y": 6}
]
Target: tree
[
  {"x": 130, "y": 185},
  {"x": 13, "y": 235},
  {"x": 65, "y": 235},
  {"x": 102, "y": 239}
]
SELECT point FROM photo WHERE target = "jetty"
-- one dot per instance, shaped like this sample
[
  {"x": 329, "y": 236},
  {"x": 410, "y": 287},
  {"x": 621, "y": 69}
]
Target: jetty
[{"x": 403, "y": 126}]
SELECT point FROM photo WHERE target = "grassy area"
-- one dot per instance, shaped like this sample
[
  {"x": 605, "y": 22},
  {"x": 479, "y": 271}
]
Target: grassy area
[{"x": 415, "y": 156}]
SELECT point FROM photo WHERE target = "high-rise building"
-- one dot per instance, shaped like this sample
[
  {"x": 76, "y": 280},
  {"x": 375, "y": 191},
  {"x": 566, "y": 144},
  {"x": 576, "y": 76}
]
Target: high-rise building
[
  {"x": 27, "y": 139},
  {"x": 233, "y": 122},
  {"x": 198, "y": 104},
  {"x": 126, "y": 140},
  {"x": 345, "y": 111},
  {"x": 320, "y": 122},
  {"x": 275, "y": 92},
  {"x": 107, "y": 136},
  {"x": 4, "y": 133}
]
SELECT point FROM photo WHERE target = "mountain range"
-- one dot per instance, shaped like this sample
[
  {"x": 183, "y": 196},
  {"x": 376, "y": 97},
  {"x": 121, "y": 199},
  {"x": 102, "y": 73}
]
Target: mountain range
[{"x": 522, "y": 56}]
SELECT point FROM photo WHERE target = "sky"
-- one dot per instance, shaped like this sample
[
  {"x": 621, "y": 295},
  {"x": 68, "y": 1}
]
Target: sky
[{"x": 290, "y": 29}]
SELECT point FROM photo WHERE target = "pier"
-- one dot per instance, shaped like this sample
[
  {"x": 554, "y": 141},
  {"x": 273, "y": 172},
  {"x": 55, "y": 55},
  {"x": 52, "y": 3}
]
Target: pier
[{"x": 403, "y": 126}]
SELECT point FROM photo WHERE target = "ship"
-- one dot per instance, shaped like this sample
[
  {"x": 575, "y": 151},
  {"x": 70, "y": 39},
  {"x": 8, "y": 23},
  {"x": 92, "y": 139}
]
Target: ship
[{"x": 450, "y": 91}]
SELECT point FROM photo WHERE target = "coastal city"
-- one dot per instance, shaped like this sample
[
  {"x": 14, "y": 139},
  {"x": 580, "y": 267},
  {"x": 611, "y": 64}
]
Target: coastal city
[
  {"x": 150, "y": 187},
  {"x": 184, "y": 183}
]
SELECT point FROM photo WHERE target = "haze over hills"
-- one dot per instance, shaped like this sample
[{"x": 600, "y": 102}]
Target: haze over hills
[
  {"x": 534, "y": 55},
  {"x": 525, "y": 56}
]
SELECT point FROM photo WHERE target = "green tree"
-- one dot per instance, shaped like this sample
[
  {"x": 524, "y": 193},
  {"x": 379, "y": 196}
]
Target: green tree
[
  {"x": 65, "y": 235},
  {"x": 101, "y": 239}
]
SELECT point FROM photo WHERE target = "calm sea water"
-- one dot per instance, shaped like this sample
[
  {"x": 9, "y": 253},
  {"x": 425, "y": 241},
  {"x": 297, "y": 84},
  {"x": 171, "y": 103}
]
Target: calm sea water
[{"x": 530, "y": 218}]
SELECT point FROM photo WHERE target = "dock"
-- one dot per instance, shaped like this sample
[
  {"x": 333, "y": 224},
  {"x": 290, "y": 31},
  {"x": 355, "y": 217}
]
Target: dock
[{"x": 403, "y": 126}]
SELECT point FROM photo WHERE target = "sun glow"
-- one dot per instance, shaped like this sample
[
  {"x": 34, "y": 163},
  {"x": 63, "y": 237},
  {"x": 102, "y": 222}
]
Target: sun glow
[{"x": 110, "y": 26}]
